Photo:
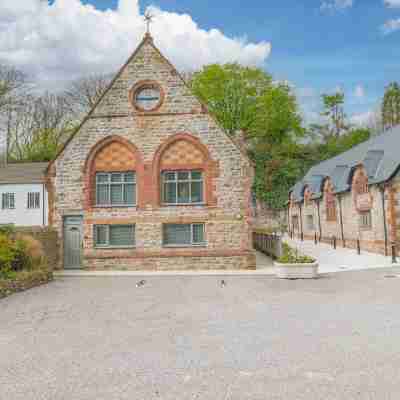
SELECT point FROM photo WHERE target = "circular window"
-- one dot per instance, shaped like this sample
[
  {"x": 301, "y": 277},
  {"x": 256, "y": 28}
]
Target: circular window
[{"x": 147, "y": 96}]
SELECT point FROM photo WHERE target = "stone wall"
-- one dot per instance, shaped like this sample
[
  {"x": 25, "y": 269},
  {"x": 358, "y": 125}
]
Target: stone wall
[{"x": 228, "y": 175}]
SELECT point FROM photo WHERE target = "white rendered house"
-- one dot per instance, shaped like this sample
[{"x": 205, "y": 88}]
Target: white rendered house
[{"x": 23, "y": 194}]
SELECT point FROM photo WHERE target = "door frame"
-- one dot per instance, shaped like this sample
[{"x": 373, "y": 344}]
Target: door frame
[{"x": 77, "y": 221}]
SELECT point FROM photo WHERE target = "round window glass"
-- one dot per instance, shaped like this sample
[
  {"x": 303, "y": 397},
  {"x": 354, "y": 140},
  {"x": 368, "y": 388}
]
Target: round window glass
[{"x": 148, "y": 97}]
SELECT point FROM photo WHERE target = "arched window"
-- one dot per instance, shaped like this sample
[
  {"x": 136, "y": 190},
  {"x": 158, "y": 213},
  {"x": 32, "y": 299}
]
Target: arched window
[
  {"x": 112, "y": 174},
  {"x": 185, "y": 172}
]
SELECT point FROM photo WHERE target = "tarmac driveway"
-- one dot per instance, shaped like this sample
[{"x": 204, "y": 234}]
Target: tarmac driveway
[{"x": 189, "y": 338}]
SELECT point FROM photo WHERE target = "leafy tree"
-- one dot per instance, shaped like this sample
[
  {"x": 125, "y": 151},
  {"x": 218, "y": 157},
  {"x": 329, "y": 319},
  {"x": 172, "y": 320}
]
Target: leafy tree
[
  {"x": 334, "y": 111},
  {"x": 246, "y": 99},
  {"x": 231, "y": 93},
  {"x": 391, "y": 106}
]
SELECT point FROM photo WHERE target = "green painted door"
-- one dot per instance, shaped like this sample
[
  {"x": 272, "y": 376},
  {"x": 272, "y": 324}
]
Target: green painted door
[{"x": 73, "y": 242}]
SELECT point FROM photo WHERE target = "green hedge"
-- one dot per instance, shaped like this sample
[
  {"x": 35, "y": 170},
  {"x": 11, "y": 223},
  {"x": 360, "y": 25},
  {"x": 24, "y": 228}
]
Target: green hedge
[{"x": 24, "y": 280}]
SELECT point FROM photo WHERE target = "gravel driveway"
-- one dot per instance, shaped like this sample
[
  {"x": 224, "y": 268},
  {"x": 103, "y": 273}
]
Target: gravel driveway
[{"x": 189, "y": 338}]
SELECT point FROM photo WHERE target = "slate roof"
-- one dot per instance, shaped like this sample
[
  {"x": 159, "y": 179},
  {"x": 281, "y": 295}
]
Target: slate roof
[
  {"x": 20, "y": 173},
  {"x": 380, "y": 156}
]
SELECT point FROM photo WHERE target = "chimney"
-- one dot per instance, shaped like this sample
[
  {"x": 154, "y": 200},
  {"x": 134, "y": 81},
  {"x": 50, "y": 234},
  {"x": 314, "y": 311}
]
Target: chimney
[{"x": 3, "y": 148}]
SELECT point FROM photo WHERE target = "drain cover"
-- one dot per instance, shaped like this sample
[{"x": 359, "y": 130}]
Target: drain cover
[{"x": 391, "y": 276}]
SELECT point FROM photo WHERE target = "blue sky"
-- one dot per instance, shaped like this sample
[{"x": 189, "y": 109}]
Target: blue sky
[
  {"x": 317, "y": 45},
  {"x": 315, "y": 49}
]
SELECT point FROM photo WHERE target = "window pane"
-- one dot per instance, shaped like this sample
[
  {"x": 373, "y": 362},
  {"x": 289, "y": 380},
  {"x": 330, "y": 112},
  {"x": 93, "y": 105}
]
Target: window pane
[
  {"x": 198, "y": 233},
  {"x": 116, "y": 178},
  {"x": 197, "y": 175},
  {"x": 183, "y": 192},
  {"x": 169, "y": 176},
  {"x": 130, "y": 193},
  {"x": 101, "y": 235},
  {"x": 183, "y": 176},
  {"x": 102, "y": 178},
  {"x": 130, "y": 177},
  {"x": 102, "y": 194},
  {"x": 116, "y": 194},
  {"x": 197, "y": 192},
  {"x": 170, "y": 193},
  {"x": 121, "y": 235},
  {"x": 177, "y": 234}
]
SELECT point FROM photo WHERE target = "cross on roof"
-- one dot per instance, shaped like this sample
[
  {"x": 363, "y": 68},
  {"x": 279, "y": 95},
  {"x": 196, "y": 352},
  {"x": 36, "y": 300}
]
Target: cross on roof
[{"x": 149, "y": 20}]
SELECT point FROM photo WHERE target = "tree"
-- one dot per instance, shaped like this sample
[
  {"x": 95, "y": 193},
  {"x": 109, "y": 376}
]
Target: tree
[
  {"x": 334, "y": 111},
  {"x": 84, "y": 93},
  {"x": 391, "y": 106},
  {"x": 12, "y": 81},
  {"x": 38, "y": 126},
  {"x": 231, "y": 93},
  {"x": 247, "y": 100}
]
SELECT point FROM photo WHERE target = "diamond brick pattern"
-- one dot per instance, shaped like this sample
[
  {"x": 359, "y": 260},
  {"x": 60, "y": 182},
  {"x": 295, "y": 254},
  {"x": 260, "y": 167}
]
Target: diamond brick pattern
[
  {"x": 181, "y": 153},
  {"x": 115, "y": 157}
]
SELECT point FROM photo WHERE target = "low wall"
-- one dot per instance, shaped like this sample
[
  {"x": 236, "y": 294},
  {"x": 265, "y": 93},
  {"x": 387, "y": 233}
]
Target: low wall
[{"x": 49, "y": 240}]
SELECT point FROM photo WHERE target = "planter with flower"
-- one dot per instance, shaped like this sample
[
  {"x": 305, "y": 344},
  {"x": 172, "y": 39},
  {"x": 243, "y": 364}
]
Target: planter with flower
[{"x": 293, "y": 265}]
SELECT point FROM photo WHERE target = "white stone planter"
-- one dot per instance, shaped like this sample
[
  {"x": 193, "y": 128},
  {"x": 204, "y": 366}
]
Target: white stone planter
[{"x": 297, "y": 271}]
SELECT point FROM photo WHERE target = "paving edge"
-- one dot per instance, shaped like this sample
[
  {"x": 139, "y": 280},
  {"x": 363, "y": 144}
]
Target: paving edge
[{"x": 163, "y": 273}]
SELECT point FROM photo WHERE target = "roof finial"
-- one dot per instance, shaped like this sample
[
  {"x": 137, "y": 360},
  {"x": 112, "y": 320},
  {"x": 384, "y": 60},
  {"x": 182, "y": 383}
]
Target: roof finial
[{"x": 148, "y": 17}]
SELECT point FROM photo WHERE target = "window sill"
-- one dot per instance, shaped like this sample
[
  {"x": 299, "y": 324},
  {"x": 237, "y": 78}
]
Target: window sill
[
  {"x": 183, "y": 205},
  {"x": 116, "y": 206},
  {"x": 184, "y": 246},
  {"x": 115, "y": 247}
]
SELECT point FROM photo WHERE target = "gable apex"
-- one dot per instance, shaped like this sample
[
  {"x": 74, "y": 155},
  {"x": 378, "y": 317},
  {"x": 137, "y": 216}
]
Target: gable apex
[{"x": 133, "y": 72}]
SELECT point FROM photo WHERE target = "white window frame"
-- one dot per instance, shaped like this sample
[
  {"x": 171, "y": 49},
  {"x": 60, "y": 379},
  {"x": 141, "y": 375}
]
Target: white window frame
[
  {"x": 33, "y": 201},
  {"x": 365, "y": 220},
  {"x": 108, "y": 245},
  {"x": 8, "y": 201},
  {"x": 109, "y": 184},
  {"x": 192, "y": 244},
  {"x": 177, "y": 181}
]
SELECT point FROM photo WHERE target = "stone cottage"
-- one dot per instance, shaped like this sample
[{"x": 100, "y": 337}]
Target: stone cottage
[
  {"x": 150, "y": 181},
  {"x": 353, "y": 197}
]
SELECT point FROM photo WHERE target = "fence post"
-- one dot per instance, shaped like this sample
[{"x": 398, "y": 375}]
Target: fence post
[
  {"x": 358, "y": 247},
  {"x": 394, "y": 255},
  {"x": 315, "y": 238},
  {"x": 334, "y": 242}
]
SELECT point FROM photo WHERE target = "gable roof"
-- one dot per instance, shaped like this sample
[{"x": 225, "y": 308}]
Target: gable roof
[
  {"x": 23, "y": 173},
  {"x": 146, "y": 40},
  {"x": 379, "y": 155}
]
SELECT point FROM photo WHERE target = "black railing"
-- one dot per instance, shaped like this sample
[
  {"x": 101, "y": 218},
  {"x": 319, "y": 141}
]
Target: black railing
[{"x": 269, "y": 244}]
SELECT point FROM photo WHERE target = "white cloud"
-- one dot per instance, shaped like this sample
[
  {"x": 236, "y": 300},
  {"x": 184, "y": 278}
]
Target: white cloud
[
  {"x": 336, "y": 5},
  {"x": 59, "y": 42},
  {"x": 391, "y": 26},
  {"x": 392, "y": 3},
  {"x": 359, "y": 92}
]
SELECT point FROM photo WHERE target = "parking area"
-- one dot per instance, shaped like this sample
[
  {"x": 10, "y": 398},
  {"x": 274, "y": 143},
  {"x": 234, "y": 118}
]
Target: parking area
[{"x": 187, "y": 337}]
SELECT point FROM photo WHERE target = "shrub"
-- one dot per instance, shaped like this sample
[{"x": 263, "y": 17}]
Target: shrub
[
  {"x": 7, "y": 230},
  {"x": 292, "y": 256},
  {"x": 19, "y": 252}
]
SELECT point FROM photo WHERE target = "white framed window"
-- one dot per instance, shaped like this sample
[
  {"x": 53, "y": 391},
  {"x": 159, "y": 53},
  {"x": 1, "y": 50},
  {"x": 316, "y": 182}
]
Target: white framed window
[
  {"x": 33, "y": 200},
  {"x": 111, "y": 236},
  {"x": 366, "y": 220},
  {"x": 182, "y": 187},
  {"x": 116, "y": 189},
  {"x": 183, "y": 235},
  {"x": 8, "y": 201}
]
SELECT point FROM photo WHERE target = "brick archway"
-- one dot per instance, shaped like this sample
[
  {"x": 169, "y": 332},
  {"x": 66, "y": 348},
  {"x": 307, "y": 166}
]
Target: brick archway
[
  {"x": 185, "y": 152},
  {"x": 112, "y": 154}
]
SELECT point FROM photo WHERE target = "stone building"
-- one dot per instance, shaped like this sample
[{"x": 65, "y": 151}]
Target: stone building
[
  {"x": 352, "y": 197},
  {"x": 150, "y": 181}
]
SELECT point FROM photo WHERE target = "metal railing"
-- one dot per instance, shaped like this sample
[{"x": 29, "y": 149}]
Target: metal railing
[{"x": 269, "y": 244}]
